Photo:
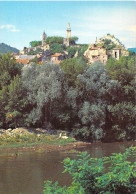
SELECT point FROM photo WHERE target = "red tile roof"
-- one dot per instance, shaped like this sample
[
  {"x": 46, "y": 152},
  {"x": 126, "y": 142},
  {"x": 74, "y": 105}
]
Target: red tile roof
[{"x": 23, "y": 61}]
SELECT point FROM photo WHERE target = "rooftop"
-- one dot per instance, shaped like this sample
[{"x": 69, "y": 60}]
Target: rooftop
[{"x": 57, "y": 55}]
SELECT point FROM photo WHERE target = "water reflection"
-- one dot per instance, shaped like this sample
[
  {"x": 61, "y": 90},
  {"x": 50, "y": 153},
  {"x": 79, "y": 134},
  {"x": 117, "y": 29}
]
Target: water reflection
[{"x": 26, "y": 173}]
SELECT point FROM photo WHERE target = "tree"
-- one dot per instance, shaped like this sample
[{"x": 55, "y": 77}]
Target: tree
[
  {"x": 71, "y": 51},
  {"x": 35, "y": 52},
  {"x": 94, "y": 89},
  {"x": 54, "y": 39},
  {"x": 15, "y": 102},
  {"x": 122, "y": 123},
  {"x": 123, "y": 120},
  {"x": 56, "y": 48},
  {"x": 3, "y": 103},
  {"x": 72, "y": 68},
  {"x": 45, "y": 94},
  {"x": 8, "y": 70},
  {"x": 35, "y": 43},
  {"x": 73, "y": 40},
  {"x": 81, "y": 50}
]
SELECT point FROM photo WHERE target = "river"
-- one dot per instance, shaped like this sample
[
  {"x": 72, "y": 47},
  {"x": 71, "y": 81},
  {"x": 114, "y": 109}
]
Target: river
[{"x": 26, "y": 172}]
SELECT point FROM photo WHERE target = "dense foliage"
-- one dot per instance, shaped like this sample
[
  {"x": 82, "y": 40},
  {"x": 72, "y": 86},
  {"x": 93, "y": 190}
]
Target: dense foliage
[
  {"x": 73, "y": 40},
  {"x": 121, "y": 111},
  {"x": 11, "y": 92},
  {"x": 35, "y": 43},
  {"x": 35, "y": 52},
  {"x": 59, "y": 40},
  {"x": 54, "y": 39},
  {"x": 56, "y": 48},
  {"x": 93, "y": 102},
  {"x": 110, "y": 175}
]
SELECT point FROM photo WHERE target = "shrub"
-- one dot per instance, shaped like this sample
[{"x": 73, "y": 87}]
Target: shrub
[{"x": 90, "y": 175}]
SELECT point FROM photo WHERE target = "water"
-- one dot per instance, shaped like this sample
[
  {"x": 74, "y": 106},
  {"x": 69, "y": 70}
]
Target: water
[{"x": 27, "y": 172}]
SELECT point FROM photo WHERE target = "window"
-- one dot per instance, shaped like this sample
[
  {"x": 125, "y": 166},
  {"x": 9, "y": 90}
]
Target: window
[{"x": 115, "y": 54}]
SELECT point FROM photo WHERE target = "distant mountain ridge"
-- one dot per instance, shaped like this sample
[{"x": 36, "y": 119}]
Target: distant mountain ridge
[
  {"x": 4, "y": 48},
  {"x": 132, "y": 49}
]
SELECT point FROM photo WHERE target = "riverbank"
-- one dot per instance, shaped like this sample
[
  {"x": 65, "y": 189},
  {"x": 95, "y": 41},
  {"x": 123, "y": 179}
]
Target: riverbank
[
  {"x": 26, "y": 140},
  {"x": 43, "y": 147}
]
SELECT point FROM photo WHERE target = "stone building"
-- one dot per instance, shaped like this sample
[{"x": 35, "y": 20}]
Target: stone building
[
  {"x": 115, "y": 53},
  {"x": 66, "y": 40},
  {"x": 57, "y": 58},
  {"x": 68, "y": 31},
  {"x": 45, "y": 47},
  {"x": 44, "y": 36},
  {"x": 96, "y": 52},
  {"x": 24, "y": 59}
]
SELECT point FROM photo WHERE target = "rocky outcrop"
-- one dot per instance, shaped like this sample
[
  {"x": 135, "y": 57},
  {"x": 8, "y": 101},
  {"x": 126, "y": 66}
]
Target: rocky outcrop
[
  {"x": 24, "y": 131},
  {"x": 19, "y": 131},
  {"x": 113, "y": 41},
  {"x": 104, "y": 48}
]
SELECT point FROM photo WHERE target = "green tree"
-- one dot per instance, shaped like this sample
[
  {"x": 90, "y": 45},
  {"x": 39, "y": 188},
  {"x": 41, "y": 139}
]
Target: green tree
[
  {"x": 72, "y": 68},
  {"x": 71, "y": 51},
  {"x": 56, "y": 48},
  {"x": 73, "y": 40},
  {"x": 35, "y": 52},
  {"x": 15, "y": 102},
  {"x": 123, "y": 120},
  {"x": 122, "y": 123},
  {"x": 90, "y": 100},
  {"x": 3, "y": 103},
  {"x": 35, "y": 43},
  {"x": 45, "y": 94},
  {"x": 81, "y": 50},
  {"x": 54, "y": 39},
  {"x": 8, "y": 70}
]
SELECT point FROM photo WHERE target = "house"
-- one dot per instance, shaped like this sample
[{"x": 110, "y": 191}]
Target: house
[
  {"x": 96, "y": 53},
  {"x": 44, "y": 56},
  {"x": 99, "y": 53},
  {"x": 57, "y": 58},
  {"x": 45, "y": 47},
  {"x": 24, "y": 59}
]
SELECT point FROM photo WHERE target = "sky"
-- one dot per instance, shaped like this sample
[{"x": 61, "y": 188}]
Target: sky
[{"x": 25, "y": 21}]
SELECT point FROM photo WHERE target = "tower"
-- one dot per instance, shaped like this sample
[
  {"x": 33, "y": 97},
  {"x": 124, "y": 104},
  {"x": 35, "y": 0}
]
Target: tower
[
  {"x": 44, "y": 36},
  {"x": 68, "y": 31}
]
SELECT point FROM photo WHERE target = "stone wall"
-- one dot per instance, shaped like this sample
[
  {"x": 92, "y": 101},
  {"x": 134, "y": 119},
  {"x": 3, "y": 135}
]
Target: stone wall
[{"x": 94, "y": 53}]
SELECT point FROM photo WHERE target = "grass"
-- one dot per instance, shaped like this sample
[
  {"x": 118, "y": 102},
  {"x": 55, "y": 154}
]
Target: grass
[{"x": 30, "y": 140}]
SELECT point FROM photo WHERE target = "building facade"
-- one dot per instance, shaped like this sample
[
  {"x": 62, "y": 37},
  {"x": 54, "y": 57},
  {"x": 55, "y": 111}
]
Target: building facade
[{"x": 99, "y": 53}]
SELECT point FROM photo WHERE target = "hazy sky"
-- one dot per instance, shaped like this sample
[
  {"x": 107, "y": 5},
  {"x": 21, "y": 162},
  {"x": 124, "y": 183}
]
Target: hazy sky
[{"x": 22, "y": 22}]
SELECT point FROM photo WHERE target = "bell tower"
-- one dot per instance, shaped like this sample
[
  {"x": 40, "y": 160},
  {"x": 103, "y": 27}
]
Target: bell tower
[
  {"x": 44, "y": 36},
  {"x": 68, "y": 31}
]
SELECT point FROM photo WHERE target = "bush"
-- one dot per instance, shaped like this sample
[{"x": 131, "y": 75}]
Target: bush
[{"x": 91, "y": 176}]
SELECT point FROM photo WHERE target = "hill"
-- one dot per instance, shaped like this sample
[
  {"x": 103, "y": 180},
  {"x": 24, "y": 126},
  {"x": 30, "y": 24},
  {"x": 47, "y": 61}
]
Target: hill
[
  {"x": 132, "y": 49},
  {"x": 4, "y": 48}
]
